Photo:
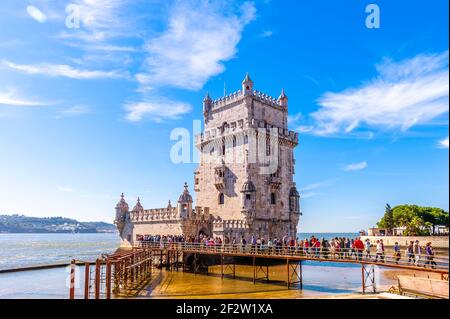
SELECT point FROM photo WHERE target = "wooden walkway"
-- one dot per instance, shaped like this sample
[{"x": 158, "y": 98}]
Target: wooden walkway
[{"x": 128, "y": 272}]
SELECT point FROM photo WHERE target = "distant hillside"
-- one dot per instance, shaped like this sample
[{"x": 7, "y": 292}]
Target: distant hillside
[{"x": 25, "y": 224}]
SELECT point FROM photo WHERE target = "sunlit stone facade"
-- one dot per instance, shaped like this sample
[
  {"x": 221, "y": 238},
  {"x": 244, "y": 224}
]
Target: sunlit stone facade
[{"x": 244, "y": 182}]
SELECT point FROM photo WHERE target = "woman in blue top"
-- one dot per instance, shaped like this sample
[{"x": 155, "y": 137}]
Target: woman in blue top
[{"x": 397, "y": 254}]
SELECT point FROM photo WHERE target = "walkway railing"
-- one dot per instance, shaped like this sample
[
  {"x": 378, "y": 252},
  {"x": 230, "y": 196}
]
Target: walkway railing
[
  {"x": 312, "y": 253},
  {"x": 127, "y": 273},
  {"x": 124, "y": 273}
]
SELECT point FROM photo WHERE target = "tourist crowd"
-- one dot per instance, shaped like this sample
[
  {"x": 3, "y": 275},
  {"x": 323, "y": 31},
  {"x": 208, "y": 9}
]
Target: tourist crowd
[{"x": 335, "y": 248}]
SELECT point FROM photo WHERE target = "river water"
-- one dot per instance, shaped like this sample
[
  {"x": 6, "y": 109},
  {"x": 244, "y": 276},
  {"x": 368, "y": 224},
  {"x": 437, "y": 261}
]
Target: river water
[{"x": 19, "y": 250}]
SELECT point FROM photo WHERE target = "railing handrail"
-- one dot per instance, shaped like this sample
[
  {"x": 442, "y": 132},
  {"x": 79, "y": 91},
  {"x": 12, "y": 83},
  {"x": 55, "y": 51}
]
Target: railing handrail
[{"x": 311, "y": 253}]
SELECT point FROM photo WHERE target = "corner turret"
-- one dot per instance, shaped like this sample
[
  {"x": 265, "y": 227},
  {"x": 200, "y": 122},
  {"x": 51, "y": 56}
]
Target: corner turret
[
  {"x": 185, "y": 203},
  {"x": 283, "y": 99},
  {"x": 122, "y": 211},
  {"x": 207, "y": 105},
  {"x": 247, "y": 85}
]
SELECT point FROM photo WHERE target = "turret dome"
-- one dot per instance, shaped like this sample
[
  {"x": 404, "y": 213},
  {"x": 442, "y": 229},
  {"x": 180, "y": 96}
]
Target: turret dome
[
  {"x": 122, "y": 204},
  {"x": 248, "y": 187},
  {"x": 138, "y": 207},
  {"x": 185, "y": 197},
  {"x": 294, "y": 192}
]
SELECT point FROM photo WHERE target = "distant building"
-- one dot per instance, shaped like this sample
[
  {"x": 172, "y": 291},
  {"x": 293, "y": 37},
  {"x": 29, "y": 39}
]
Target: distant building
[{"x": 238, "y": 194}]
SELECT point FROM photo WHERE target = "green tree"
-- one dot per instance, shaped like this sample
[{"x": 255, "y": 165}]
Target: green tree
[
  {"x": 389, "y": 219},
  {"x": 416, "y": 219}
]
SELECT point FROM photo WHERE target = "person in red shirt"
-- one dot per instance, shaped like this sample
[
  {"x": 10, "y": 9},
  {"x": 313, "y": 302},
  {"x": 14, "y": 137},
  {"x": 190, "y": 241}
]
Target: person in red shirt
[
  {"x": 359, "y": 247},
  {"x": 317, "y": 245}
]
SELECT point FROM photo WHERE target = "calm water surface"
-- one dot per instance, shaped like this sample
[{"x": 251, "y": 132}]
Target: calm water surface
[{"x": 19, "y": 250}]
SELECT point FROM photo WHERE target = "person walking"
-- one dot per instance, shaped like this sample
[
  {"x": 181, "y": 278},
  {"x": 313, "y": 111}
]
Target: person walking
[
  {"x": 317, "y": 245},
  {"x": 430, "y": 256},
  {"x": 410, "y": 252},
  {"x": 243, "y": 244},
  {"x": 368, "y": 246},
  {"x": 358, "y": 246},
  {"x": 417, "y": 252},
  {"x": 379, "y": 251},
  {"x": 397, "y": 254}
]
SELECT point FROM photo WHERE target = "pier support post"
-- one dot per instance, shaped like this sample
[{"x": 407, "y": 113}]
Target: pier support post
[
  {"x": 254, "y": 270},
  {"x": 221, "y": 265},
  {"x": 301, "y": 274},
  {"x": 72, "y": 280},
  {"x": 368, "y": 277},
  {"x": 294, "y": 270},
  {"x": 288, "y": 273},
  {"x": 195, "y": 263},
  {"x": 108, "y": 279},
  {"x": 97, "y": 279},
  {"x": 87, "y": 270}
]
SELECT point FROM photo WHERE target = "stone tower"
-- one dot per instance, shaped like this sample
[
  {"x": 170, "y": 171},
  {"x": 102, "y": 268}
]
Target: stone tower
[{"x": 245, "y": 175}]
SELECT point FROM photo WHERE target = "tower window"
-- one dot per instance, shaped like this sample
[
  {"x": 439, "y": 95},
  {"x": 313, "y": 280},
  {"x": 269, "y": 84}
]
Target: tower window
[
  {"x": 273, "y": 199},
  {"x": 248, "y": 196},
  {"x": 221, "y": 199}
]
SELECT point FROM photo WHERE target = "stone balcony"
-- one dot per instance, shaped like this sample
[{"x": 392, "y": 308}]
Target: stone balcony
[
  {"x": 219, "y": 182},
  {"x": 274, "y": 182}
]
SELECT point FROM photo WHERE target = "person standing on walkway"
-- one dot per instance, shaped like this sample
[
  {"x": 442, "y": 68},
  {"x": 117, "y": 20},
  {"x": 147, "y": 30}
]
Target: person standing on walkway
[
  {"x": 368, "y": 246},
  {"x": 417, "y": 253},
  {"x": 430, "y": 256},
  {"x": 243, "y": 244},
  {"x": 383, "y": 250},
  {"x": 317, "y": 244},
  {"x": 397, "y": 253},
  {"x": 358, "y": 245},
  {"x": 410, "y": 252},
  {"x": 379, "y": 251}
]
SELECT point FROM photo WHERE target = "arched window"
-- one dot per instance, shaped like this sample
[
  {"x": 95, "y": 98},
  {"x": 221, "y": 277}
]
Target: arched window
[
  {"x": 273, "y": 199},
  {"x": 221, "y": 199}
]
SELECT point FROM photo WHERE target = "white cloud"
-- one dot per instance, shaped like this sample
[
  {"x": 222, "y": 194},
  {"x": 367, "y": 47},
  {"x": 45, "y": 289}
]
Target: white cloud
[
  {"x": 308, "y": 191},
  {"x": 63, "y": 70},
  {"x": 156, "y": 110},
  {"x": 308, "y": 195},
  {"x": 73, "y": 111},
  {"x": 443, "y": 143},
  {"x": 304, "y": 128},
  {"x": 355, "y": 167},
  {"x": 406, "y": 93},
  {"x": 200, "y": 36},
  {"x": 266, "y": 34},
  {"x": 36, "y": 14},
  {"x": 293, "y": 119},
  {"x": 10, "y": 97}
]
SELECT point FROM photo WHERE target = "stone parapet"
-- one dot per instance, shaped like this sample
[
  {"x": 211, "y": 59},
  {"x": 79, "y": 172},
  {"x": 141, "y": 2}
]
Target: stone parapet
[
  {"x": 155, "y": 214},
  {"x": 437, "y": 241}
]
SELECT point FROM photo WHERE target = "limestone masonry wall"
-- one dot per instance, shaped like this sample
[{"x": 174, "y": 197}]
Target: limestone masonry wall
[{"x": 437, "y": 241}]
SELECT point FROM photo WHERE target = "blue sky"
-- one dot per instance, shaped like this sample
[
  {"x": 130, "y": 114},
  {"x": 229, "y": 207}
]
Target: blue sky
[{"x": 86, "y": 113}]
